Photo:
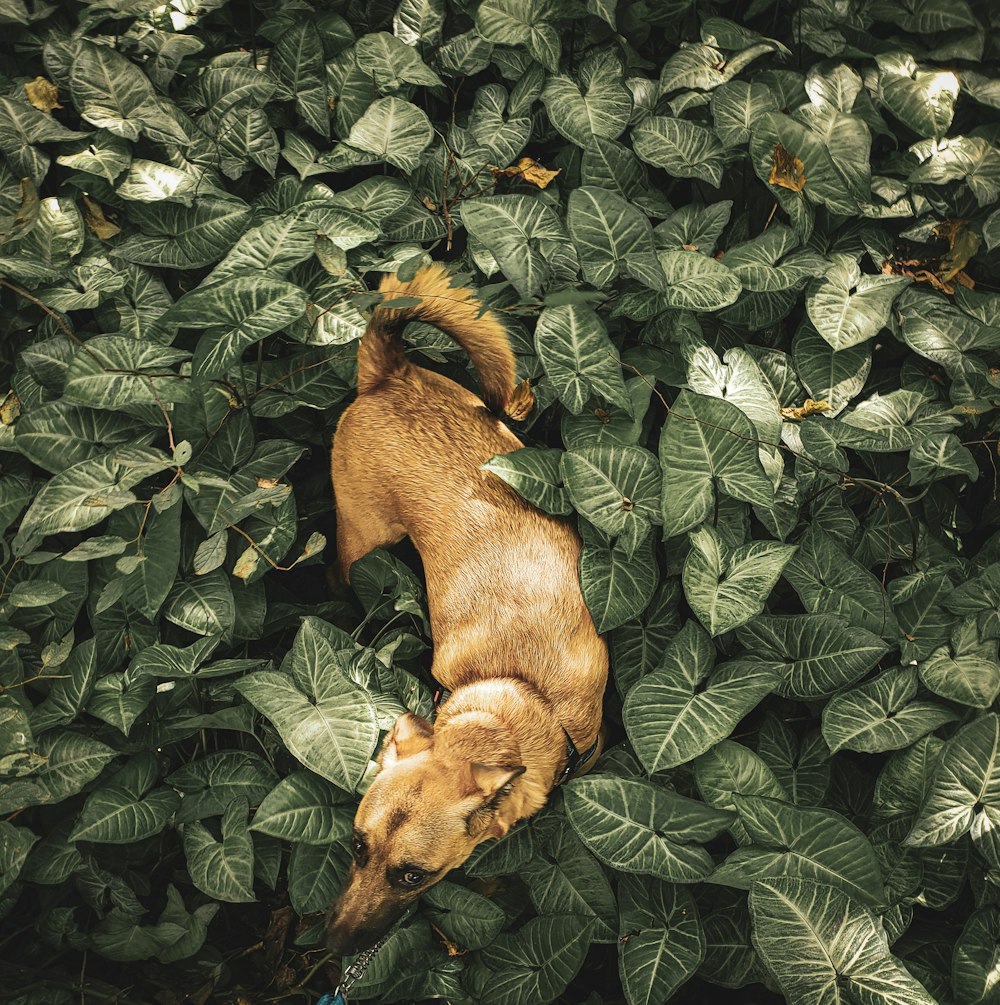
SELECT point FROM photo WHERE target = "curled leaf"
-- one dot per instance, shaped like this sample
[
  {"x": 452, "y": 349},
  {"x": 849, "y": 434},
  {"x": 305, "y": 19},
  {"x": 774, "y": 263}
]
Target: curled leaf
[
  {"x": 787, "y": 171},
  {"x": 97, "y": 223},
  {"x": 808, "y": 407},
  {"x": 528, "y": 170},
  {"x": 43, "y": 94}
]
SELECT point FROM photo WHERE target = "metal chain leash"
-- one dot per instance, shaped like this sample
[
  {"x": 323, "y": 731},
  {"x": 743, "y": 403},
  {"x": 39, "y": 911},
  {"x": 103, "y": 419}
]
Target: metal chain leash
[{"x": 353, "y": 973}]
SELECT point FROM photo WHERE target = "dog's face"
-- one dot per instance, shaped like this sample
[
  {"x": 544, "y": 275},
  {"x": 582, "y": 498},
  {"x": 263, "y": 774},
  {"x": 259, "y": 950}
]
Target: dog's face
[{"x": 424, "y": 813}]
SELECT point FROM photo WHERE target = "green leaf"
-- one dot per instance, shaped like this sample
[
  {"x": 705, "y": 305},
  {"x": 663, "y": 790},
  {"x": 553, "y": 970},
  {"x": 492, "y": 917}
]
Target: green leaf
[
  {"x": 470, "y": 919},
  {"x": 70, "y": 693},
  {"x": 222, "y": 869},
  {"x": 662, "y": 942},
  {"x": 940, "y": 455},
  {"x": 174, "y": 662},
  {"x": 178, "y": 237},
  {"x": 579, "y": 358},
  {"x": 617, "y": 488},
  {"x": 151, "y": 181},
  {"x": 683, "y": 708},
  {"x": 316, "y": 872},
  {"x": 799, "y": 842},
  {"x": 536, "y": 963},
  {"x": 112, "y": 93},
  {"x": 848, "y": 308},
  {"x": 976, "y": 957},
  {"x": 822, "y": 947},
  {"x": 15, "y": 843},
  {"x": 205, "y": 605},
  {"x": 120, "y": 698},
  {"x": 328, "y": 724},
  {"x": 195, "y": 924},
  {"x": 535, "y": 474},
  {"x": 238, "y": 313},
  {"x": 58, "y": 434},
  {"x": 419, "y": 21},
  {"x": 819, "y": 654},
  {"x": 118, "y": 936},
  {"x": 564, "y": 878},
  {"x": 881, "y": 714},
  {"x": 391, "y": 63},
  {"x": 683, "y": 149},
  {"x": 827, "y": 579},
  {"x": 730, "y": 769},
  {"x": 297, "y": 60},
  {"x": 829, "y": 375},
  {"x": 209, "y": 784},
  {"x": 599, "y": 106},
  {"x": 635, "y": 826},
  {"x": 834, "y": 147},
  {"x": 609, "y": 164},
  {"x": 102, "y": 153},
  {"x": 707, "y": 445},
  {"x": 87, "y": 492},
  {"x": 393, "y": 130},
  {"x": 111, "y": 371},
  {"x": 736, "y": 106},
  {"x": 36, "y": 593},
  {"x": 966, "y": 670},
  {"x": 304, "y": 808},
  {"x": 71, "y": 761},
  {"x": 697, "y": 282},
  {"x": 923, "y": 100},
  {"x": 616, "y": 586},
  {"x": 964, "y": 792},
  {"x": 612, "y": 238},
  {"x": 521, "y": 232},
  {"x": 277, "y": 244},
  {"x": 124, "y": 810},
  {"x": 727, "y": 588},
  {"x": 520, "y": 22}
]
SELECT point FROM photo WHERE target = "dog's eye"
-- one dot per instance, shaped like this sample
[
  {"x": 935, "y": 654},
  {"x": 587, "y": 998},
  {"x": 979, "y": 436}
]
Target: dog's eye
[
  {"x": 412, "y": 877},
  {"x": 358, "y": 848}
]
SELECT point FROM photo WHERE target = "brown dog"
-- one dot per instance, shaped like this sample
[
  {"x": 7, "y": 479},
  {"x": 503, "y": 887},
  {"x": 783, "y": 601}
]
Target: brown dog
[{"x": 513, "y": 640}]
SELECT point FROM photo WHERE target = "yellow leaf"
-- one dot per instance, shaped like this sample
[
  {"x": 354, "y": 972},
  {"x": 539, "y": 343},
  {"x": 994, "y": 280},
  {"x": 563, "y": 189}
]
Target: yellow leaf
[
  {"x": 529, "y": 170},
  {"x": 246, "y": 563},
  {"x": 522, "y": 401},
  {"x": 809, "y": 407},
  {"x": 99, "y": 225},
  {"x": 43, "y": 94},
  {"x": 10, "y": 408},
  {"x": 787, "y": 171}
]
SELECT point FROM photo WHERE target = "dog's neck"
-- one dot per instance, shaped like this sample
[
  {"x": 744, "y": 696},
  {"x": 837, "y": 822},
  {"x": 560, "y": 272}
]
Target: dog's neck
[{"x": 515, "y": 706}]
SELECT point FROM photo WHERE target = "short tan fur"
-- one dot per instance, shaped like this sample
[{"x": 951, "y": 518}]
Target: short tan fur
[{"x": 513, "y": 639}]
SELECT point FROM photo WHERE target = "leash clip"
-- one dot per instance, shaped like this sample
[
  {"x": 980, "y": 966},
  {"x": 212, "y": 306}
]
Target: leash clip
[{"x": 353, "y": 973}]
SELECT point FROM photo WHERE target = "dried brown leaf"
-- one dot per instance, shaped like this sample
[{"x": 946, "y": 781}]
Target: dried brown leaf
[{"x": 787, "y": 171}]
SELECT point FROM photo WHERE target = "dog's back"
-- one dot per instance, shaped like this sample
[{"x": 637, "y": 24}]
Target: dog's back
[{"x": 502, "y": 580}]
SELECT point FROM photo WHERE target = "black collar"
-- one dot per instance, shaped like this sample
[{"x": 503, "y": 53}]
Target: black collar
[{"x": 574, "y": 758}]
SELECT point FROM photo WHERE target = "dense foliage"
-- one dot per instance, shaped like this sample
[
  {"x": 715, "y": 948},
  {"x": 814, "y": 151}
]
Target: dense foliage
[{"x": 747, "y": 255}]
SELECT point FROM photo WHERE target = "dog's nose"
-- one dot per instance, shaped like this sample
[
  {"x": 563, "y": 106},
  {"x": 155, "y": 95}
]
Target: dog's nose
[{"x": 343, "y": 940}]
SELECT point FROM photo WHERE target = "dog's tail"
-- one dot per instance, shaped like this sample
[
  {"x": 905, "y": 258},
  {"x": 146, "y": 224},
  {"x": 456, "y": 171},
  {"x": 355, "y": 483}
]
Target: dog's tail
[{"x": 454, "y": 310}]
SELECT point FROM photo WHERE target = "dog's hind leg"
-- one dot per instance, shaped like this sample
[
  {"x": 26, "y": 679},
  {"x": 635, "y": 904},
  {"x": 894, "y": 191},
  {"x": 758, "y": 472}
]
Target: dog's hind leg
[{"x": 358, "y": 534}]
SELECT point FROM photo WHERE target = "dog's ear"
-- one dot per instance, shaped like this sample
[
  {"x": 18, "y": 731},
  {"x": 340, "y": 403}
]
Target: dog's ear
[
  {"x": 491, "y": 779},
  {"x": 410, "y": 735},
  {"x": 494, "y": 783}
]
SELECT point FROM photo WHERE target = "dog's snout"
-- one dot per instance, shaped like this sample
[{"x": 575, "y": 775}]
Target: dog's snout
[{"x": 344, "y": 940}]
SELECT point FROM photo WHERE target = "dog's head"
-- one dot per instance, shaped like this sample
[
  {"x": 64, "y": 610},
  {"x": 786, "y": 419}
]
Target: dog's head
[{"x": 435, "y": 797}]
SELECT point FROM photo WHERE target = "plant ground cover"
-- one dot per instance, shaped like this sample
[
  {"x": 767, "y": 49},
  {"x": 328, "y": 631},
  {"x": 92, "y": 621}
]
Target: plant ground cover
[{"x": 747, "y": 256}]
